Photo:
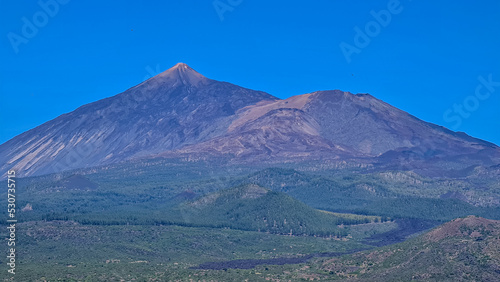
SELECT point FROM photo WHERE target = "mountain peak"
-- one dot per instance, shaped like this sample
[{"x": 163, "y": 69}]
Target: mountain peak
[
  {"x": 182, "y": 73},
  {"x": 182, "y": 67}
]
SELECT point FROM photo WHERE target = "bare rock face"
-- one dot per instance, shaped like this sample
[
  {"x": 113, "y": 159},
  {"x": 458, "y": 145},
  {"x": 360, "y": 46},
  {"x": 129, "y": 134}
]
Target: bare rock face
[
  {"x": 180, "y": 112},
  {"x": 28, "y": 207}
]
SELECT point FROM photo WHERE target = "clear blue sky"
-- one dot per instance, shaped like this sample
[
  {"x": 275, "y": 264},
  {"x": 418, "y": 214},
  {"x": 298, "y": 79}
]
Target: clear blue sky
[{"x": 423, "y": 60}]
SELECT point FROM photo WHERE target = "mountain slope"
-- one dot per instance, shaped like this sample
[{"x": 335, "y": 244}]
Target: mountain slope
[
  {"x": 168, "y": 111},
  {"x": 339, "y": 125},
  {"x": 396, "y": 139},
  {"x": 374, "y": 127},
  {"x": 278, "y": 135}
]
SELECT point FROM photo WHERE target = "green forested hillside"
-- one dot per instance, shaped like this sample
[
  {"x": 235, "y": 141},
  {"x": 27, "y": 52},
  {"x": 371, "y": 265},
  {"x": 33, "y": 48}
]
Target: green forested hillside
[
  {"x": 402, "y": 195},
  {"x": 150, "y": 192},
  {"x": 252, "y": 207}
]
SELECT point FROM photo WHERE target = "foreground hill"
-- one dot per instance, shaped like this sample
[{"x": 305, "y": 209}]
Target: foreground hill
[
  {"x": 465, "y": 249},
  {"x": 182, "y": 114}
]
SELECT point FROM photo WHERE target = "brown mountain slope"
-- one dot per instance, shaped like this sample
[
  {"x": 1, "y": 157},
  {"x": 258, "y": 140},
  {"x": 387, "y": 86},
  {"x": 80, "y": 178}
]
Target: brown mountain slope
[{"x": 278, "y": 135}]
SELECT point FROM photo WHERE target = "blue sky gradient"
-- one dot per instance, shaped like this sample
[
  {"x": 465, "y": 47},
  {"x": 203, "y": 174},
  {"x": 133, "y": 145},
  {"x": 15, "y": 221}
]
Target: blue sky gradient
[{"x": 429, "y": 59}]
